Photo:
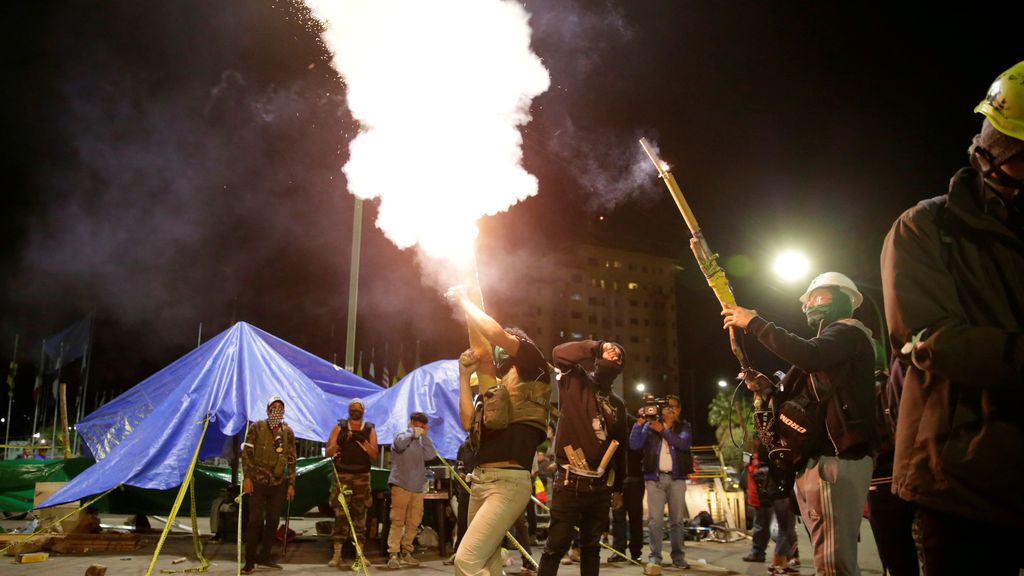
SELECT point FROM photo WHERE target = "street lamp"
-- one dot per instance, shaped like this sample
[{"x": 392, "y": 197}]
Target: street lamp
[
  {"x": 722, "y": 383},
  {"x": 640, "y": 387},
  {"x": 791, "y": 266}
]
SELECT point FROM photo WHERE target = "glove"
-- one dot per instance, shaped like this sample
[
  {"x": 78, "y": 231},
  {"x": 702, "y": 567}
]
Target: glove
[{"x": 756, "y": 382}]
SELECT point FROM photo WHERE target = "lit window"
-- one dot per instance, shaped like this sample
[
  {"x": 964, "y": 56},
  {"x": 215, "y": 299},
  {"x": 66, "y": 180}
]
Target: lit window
[
  {"x": 576, "y": 297},
  {"x": 632, "y": 285},
  {"x": 617, "y": 264}
]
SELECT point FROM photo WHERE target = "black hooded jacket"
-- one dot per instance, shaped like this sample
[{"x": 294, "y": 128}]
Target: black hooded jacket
[{"x": 585, "y": 405}]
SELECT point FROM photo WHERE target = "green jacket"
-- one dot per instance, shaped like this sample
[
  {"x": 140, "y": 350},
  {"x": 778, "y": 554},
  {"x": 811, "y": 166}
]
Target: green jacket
[
  {"x": 953, "y": 276},
  {"x": 268, "y": 455}
]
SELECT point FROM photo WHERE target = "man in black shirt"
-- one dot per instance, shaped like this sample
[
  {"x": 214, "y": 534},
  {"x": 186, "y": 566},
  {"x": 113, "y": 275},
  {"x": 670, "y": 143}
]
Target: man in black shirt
[
  {"x": 592, "y": 417},
  {"x": 500, "y": 482}
]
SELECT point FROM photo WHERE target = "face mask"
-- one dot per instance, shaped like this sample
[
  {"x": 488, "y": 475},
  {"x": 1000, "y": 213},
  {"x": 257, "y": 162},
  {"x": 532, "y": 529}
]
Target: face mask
[
  {"x": 355, "y": 414},
  {"x": 840, "y": 307},
  {"x": 275, "y": 415},
  {"x": 605, "y": 371},
  {"x": 502, "y": 360}
]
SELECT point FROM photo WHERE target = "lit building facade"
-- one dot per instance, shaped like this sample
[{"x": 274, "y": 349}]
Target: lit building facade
[{"x": 607, "y": 294}]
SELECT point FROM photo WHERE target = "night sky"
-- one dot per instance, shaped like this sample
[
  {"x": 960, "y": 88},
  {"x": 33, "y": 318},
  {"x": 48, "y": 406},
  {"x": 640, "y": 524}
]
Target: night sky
[{"x": 173, "y": 163}]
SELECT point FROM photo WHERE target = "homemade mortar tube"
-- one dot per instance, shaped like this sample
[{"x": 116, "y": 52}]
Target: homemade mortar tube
[{"x": 486, "y": 372}]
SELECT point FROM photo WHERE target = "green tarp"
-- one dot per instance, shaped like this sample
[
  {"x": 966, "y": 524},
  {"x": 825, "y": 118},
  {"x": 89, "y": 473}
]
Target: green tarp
[{"x": 18, "y": 479}]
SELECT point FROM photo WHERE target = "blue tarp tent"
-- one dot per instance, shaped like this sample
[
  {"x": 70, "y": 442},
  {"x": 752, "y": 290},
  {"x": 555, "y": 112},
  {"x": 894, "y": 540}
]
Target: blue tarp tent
[
  {"x": 146, "y": 436},
  {"x": 432, "y": 389}
]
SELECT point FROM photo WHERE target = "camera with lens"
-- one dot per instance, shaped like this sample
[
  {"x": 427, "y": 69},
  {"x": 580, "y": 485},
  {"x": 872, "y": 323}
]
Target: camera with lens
[{"x": 653, "y": 407}]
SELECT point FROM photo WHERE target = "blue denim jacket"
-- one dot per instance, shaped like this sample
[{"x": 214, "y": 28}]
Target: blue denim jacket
[{"x": 679, "y": 438}]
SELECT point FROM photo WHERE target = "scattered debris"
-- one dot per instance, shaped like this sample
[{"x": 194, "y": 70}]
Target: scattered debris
[
  {"x": 31, "y": 557},
  {"x": 96, "y": 570}
]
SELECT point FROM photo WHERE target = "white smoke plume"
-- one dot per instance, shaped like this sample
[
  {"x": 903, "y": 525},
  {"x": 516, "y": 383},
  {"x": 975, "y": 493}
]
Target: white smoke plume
[{"x": 441, "y": 89}]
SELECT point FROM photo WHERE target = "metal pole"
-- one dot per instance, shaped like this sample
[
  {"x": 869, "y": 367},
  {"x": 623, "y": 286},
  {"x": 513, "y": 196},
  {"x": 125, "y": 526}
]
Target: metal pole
[
  {"x": 353, "y": 285},
  {"x": 10, "y": 396},
  {"x": 39, "y": 379},
  {"x": 199, "y": 337},
  {"x": 86, "y": 366}
]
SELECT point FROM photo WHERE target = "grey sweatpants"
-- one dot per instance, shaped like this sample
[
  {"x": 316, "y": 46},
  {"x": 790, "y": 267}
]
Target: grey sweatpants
[{"x": 831, "y": 493}]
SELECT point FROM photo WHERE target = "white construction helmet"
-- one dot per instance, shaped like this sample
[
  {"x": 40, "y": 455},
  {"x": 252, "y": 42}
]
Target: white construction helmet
[{"x": 841, "y": 281}]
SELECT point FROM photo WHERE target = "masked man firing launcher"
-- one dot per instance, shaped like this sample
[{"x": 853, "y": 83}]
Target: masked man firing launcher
[{"x": 832, "y": 381}]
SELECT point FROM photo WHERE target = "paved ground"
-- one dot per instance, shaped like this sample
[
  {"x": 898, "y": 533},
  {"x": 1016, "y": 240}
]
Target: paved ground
[{"x": 309, "y": 556}]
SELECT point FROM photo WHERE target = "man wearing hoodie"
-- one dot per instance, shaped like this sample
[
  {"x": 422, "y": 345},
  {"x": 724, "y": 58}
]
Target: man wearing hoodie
[
  {"x": 953, "y": 279},
  {"x": 833, "y": 376},
  {"x": 591, "y": 418}
]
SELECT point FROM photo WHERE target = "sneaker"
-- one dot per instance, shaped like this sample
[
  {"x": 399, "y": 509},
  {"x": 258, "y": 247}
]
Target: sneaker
[
  {"x": 393, "y": 562},
  {"x": 566, "y": 559},
  {"x": 754, "y": 557},
  {"x": 794, "y": 562},
  {"x": 616, "y": 558},
  {"x": 527, "y": 570},
  {"x": 408, "y": 560},
  {"x": 652, "y": 569},
  {"x": 269, "y": 564},
  {"x": 449, "y": 561},
  {"x": 684, "y": 565},
  {"x": 574, "y": 554},
  {"x": 248, "y": 569}
]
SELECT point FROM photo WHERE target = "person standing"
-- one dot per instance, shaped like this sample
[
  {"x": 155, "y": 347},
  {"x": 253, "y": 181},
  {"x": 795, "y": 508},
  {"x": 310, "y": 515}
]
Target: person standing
[
  {"x": 500, "y": 483},
  {"x": 592, "y": 417},
  {"x": 766, "y": 500},
  {"x": 832, "y": 382},
  {"x": 628, "y": 511},
  {"x": 410, "y": 451},
  {"x": 268, "y": 463},
  {"x": 667, "y": 461},
  {"x": 352, "y": 447},
  {"x": 953, "y": 280}
]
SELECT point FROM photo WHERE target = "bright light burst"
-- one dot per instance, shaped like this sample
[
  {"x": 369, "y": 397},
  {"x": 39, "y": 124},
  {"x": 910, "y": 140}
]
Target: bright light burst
[
  {"x": 791, "y": 266},
  {"x": 441, "y": 89}
]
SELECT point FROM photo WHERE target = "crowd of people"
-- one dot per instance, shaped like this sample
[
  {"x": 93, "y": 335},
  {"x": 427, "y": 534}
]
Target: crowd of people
[{"x": 952, "y": 271}]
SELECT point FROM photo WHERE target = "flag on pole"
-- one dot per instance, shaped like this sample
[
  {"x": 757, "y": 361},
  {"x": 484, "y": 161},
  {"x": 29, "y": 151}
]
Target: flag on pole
[
  {"x": 400, "y": 371},
  {"x": 11, "y": 373},
  {"x": 385, "y": 377},
  {"x": 67, "y": 345},
  {"x": 359, "y": 365},
  {"x": 373, "y": 358}
]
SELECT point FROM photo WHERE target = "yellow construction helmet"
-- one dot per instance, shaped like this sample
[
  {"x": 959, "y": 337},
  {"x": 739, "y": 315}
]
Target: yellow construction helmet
[{"x": 1004, "y": 103}]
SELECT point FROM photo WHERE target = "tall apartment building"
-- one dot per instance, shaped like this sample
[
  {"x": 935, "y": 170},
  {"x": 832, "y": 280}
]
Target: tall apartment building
[{"x": 593, "y": 292}]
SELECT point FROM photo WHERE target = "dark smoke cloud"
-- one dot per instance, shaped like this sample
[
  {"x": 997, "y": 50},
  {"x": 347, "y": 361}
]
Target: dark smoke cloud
[
  {"x": 193, "y": 168},
  {"x": 576, "y": 39}
]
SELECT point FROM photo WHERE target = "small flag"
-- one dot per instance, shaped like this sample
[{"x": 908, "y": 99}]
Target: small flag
[
  {"x": 400, "y": 372},
  {"x": 11, "y": 373},
  {"x": 373, "y": 377},
  {"x": 540, "y": 491},
  {"x": 385, "y": 377},
  {"x": 359, "y": 365}
]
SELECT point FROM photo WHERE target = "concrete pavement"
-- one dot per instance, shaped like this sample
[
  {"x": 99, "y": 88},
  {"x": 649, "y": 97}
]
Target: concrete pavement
[{"x": 310, "y": 555}]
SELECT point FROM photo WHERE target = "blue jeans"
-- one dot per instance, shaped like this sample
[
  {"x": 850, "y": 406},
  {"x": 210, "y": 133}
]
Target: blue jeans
[
  {"x": 666, "y": 490},
  {"x": 763, "y": 524}
]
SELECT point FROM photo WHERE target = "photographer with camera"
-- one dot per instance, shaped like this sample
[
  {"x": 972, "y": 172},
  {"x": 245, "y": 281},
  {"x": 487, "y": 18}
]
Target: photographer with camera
[
  {"x": 826, "y": 424},
  {"x": 667, "y": 461}
]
